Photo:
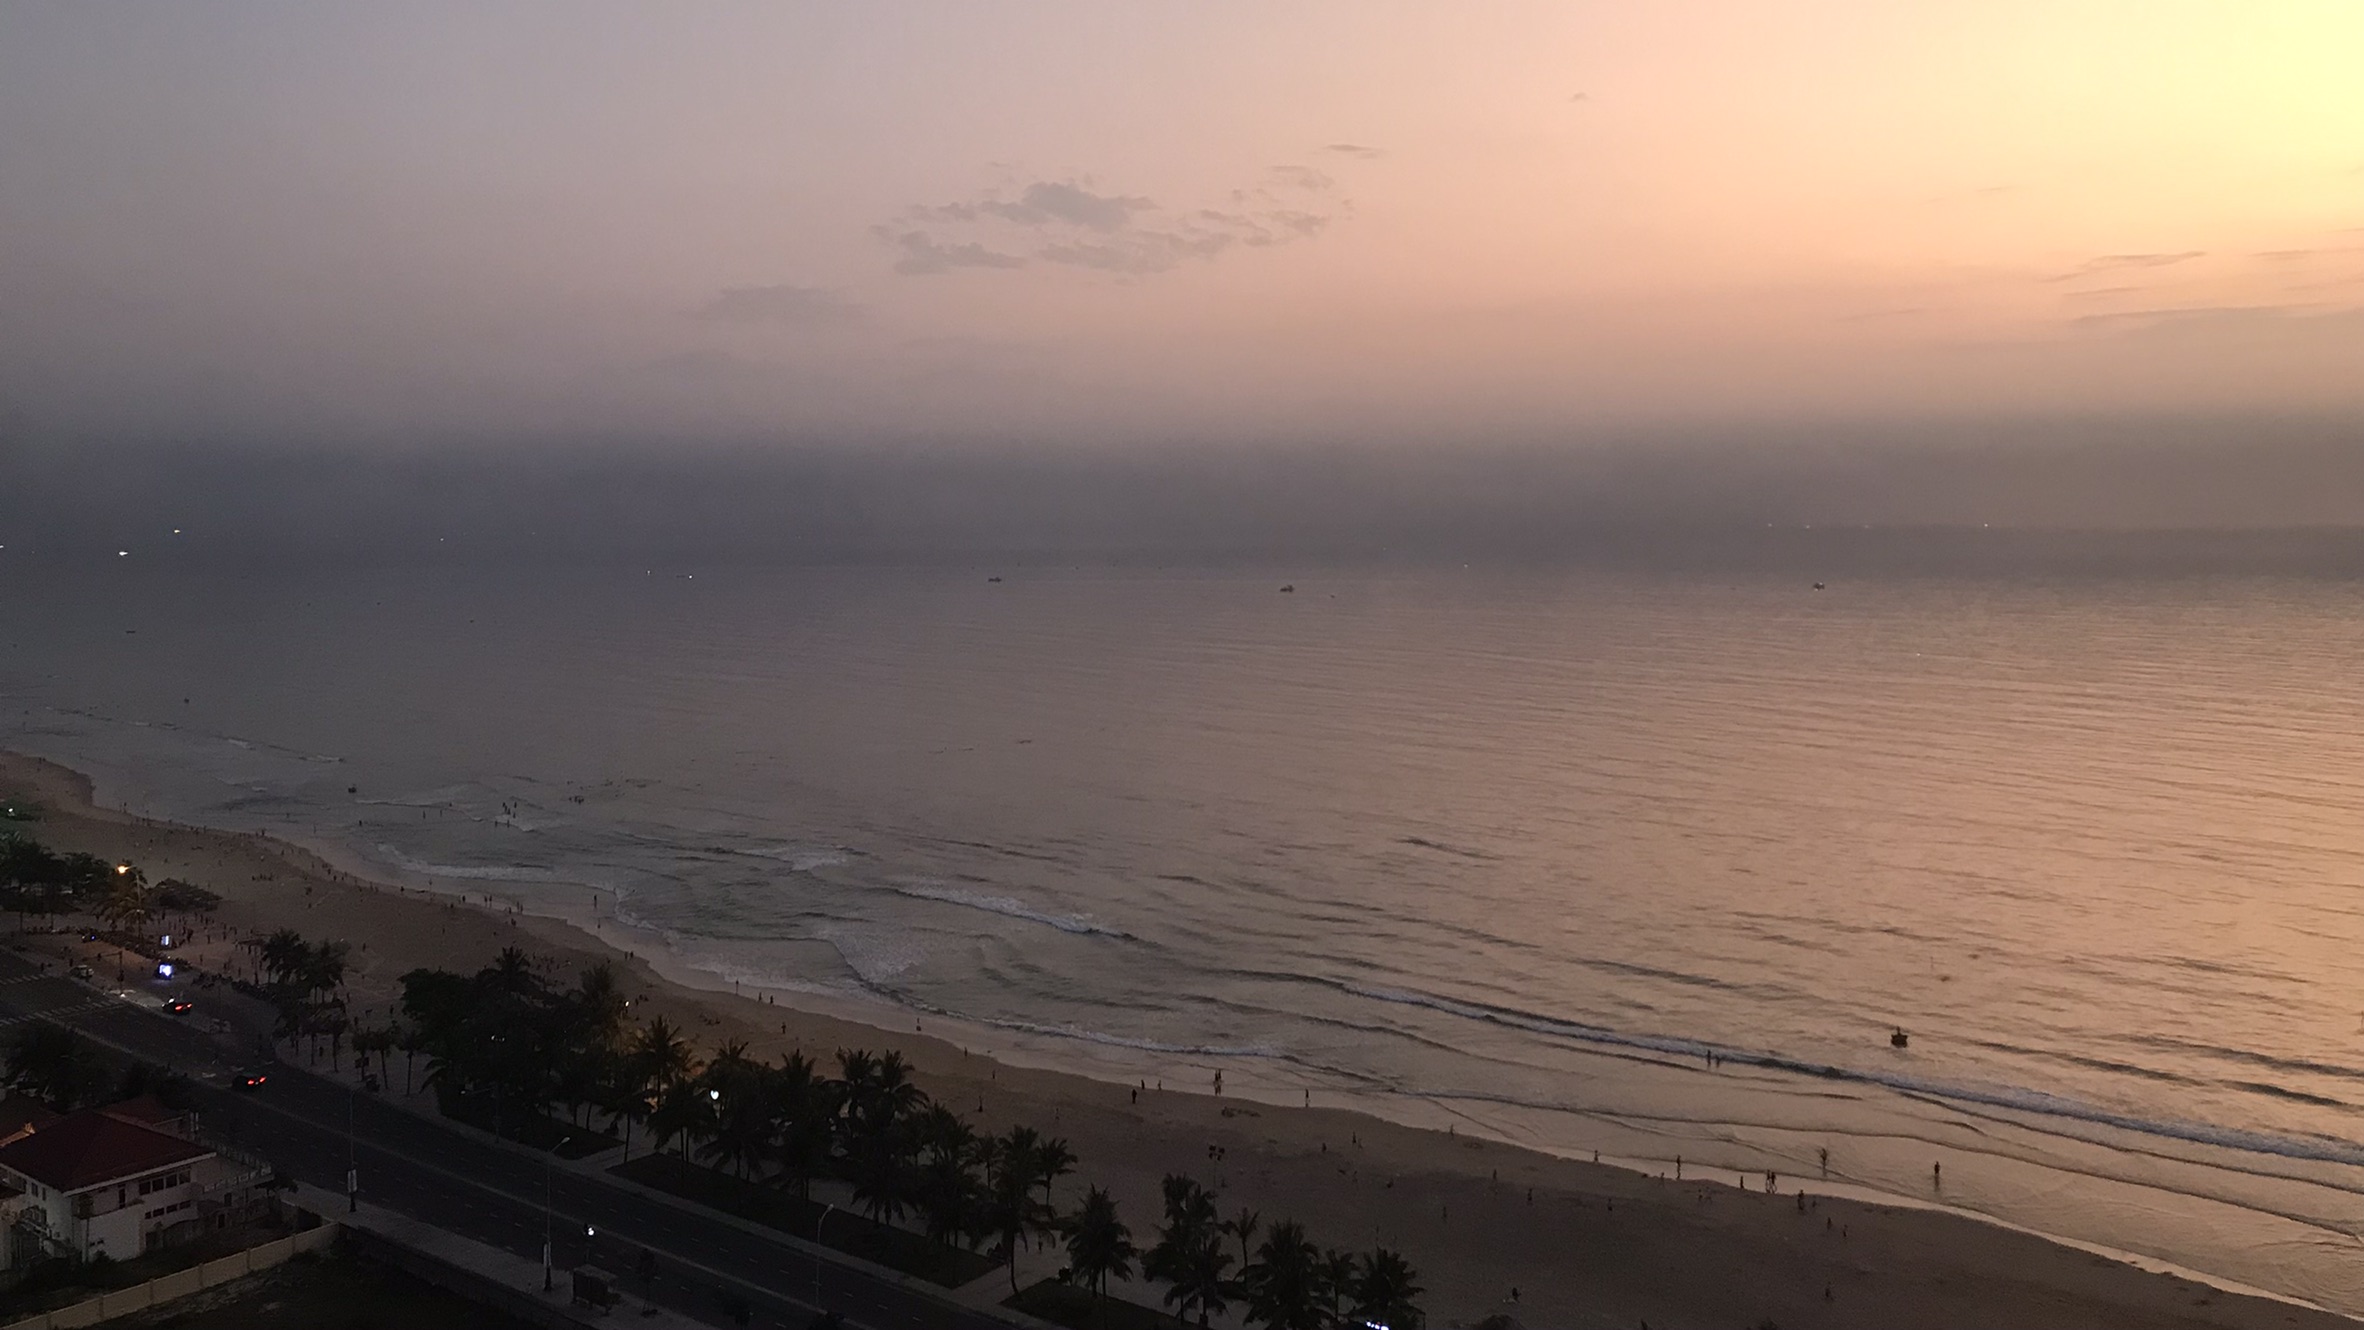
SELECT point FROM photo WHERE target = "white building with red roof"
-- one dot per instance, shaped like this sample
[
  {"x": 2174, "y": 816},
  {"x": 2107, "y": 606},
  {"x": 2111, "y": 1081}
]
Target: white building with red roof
[{"x": 119, "y": 1181}]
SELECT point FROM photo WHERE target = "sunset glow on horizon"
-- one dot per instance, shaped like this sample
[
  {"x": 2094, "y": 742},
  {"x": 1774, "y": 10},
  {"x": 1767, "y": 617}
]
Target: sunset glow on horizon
[{"x": 1235, "y": 220}]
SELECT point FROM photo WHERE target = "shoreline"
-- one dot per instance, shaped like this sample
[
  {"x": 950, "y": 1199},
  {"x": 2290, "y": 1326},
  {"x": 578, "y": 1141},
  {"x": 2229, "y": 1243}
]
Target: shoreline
[{"x": 1586, "y": 1243}]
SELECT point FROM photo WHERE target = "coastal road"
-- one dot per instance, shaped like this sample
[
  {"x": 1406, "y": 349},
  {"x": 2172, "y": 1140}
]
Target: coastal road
[{"x": 487, "y": 1192}]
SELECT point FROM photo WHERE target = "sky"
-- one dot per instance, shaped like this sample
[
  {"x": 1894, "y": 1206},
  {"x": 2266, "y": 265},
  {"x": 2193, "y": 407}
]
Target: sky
[{"x": 1101, "y": 224}]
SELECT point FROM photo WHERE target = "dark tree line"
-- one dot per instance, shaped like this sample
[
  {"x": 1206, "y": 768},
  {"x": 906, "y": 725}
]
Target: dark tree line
[
  {"x": 37, "y": 880},
  {"x": 506, "y": 1044}
]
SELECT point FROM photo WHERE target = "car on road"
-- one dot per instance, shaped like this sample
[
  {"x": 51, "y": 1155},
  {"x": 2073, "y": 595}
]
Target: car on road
[
  {"x": 251, "y": 1078},
  {"x": 82, "y": 972},
  {"x": 178, "y": 1006}
]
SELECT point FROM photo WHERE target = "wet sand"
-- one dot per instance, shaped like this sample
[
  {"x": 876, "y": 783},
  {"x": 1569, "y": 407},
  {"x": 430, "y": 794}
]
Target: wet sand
[{"x": 1585, "y": 1244}]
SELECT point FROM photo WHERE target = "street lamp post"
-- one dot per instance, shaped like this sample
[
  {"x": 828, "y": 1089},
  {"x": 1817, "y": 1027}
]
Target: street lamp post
[
  {"x": 817, "y": 1254},
  {"x": 352, "y": 1159},
  {"x": 546, "y": 1282},
  {"x": 547, "y": 1156}
]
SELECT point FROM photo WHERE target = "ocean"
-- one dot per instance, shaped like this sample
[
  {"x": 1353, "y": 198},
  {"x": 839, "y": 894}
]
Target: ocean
[{"x": 1645, "y": 862}]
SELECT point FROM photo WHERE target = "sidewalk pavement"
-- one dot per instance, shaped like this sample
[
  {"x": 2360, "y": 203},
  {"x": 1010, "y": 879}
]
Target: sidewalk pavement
[{"x": 515, "y": 1273}]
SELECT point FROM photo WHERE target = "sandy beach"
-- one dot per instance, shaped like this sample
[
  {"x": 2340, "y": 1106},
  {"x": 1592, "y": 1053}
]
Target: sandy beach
[{"x": 1584, "y": 1244}]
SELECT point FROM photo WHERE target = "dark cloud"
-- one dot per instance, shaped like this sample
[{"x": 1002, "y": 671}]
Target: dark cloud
[
  {"x": 796, "y": 306},
  {"x": 1354, "y": 150},
  {"x": 1066, "y": 224},
  {"x": 923, "y": 254},
  {"x": 1581, "y": 97},
  {"x": 1141, "y": 252},
  {"x": 1054, "y": 201}
]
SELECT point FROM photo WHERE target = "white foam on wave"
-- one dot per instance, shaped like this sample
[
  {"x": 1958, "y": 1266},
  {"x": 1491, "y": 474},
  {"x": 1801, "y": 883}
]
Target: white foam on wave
[
  {"x": 469, "y": 872},
  {"x": 874, "y": 956},
  {"x": 1006, "y": 906},
  {"x": 2321, "y": 1149},
  {"x": 803, "y": 858}
]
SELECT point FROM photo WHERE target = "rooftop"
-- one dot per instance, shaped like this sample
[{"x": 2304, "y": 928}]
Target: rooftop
[{"x": 92, "y": 1147}]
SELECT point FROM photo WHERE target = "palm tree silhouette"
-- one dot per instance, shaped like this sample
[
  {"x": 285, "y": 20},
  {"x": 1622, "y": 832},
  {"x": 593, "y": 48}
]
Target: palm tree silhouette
[
  {"x": 1099, "y": 1246},
  {"x": 1385, "y": 1291},
  {"x": 1189, "y": 1253},
  {"x": 1284, "y": 1286}
]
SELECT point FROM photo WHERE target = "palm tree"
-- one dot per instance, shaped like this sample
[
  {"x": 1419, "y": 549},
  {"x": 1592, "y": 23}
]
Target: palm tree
[
  {"x": 664, "y": 1055},
  {"x": 1284, "y": 1285},
  {"x": 1099, "y": 1246},
  {"x": 947, "y": 1190},
  {"x": 1337, "y": 1273},
  {"x": 285, "y": 955},
  {"x": 1385, "y": 1292},
  {"x": 1052, "y": 1161},
  {"x": 1199, "y": 1280},
  {"x": 600, "y": 1007},
  {"x": 743, "y": 1110},
  {"x": 880, "y": 1167},
  {"x": 682, "y": 1110},
  {"x": 407, "y": 1038},
  {"x": 1189, "y": 1253},
  {"x": 127, "y": 904},
  {"x": 806, "y": 1106},
  {"x": 1010, "y": 1174},
  {"x": 624, "y": 1093},
  {"x": 1242, "y": 1227},
  {"x": 513, "y": 972}
]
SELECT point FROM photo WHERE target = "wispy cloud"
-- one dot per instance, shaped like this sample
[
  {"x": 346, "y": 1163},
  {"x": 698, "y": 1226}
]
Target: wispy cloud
[
  {"x": 2219, "y": 316},
  {"x": 1069, "y": 223},
  {"x": 1363, "y": 151},
  {"x": 2114, "y": 263}
]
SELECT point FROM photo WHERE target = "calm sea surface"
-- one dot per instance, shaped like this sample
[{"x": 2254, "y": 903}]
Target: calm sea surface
[{"x": 1512, "y": 850}]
